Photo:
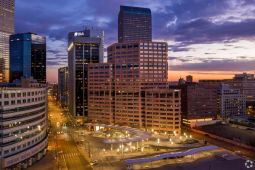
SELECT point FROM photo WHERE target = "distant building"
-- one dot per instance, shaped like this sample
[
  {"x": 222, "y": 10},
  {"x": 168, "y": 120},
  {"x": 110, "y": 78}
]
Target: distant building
[
  {"x": 232, "y": 102},
  {"x": 199, "y": 100},
  {"x": 23, "y": 126},
  {"x": 7, "y": 10},
  {"x": 134, "y": 24},
  {"x": 84, "y": 47},
  {"x": 181, "y": 81},
  {"x": 189, "y": 79},
  {"x": 203, "y": 100},
  {"x": 246, "y": 84},
  {"x": 63, "y": 86},
  {"x": 28, "y": 57}
]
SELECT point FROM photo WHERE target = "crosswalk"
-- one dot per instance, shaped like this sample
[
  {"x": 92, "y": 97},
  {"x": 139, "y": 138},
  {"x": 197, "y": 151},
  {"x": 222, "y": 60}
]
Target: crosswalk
[{"x": 69, "y": 155}]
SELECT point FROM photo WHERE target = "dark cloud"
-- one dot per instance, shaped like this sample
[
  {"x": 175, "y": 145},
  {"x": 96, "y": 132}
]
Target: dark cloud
[
  {"x": 184, "y": 21},
  {"x": 52, "y": 63},
  {"x": 53, "y": 51},
  {"x": 217, "y": 65},
  {"x": 204, "y": 31},
  {"x": 179, "y": 49},
  {"x": 182, "y": 59},
  {"x": 172, "y": 58}
]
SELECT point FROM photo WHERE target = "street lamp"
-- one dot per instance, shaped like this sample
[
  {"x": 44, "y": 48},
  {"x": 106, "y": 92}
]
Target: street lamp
[{"x": 158, "y": 141}]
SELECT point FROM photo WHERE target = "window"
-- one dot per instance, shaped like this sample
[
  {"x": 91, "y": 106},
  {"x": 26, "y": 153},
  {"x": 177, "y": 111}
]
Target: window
[
  {"x": 6, "y": 103},
  {"x": 6, "y": 95}
]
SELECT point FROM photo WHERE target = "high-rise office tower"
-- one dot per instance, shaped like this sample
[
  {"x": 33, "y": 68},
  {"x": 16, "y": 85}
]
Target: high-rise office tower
[
  {"x": 134, "y": 24},
  {"x": 28, "y": 57},
  {"x": 6, "y": 29},
  {"x": 83, "y": 48},
  {"x": 62, "y": 85},
  {"x": 131, "y": 89}
]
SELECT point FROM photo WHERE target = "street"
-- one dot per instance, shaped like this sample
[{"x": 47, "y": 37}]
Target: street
[
  {"x": 63, "y": 153},
  {"x": 67, "y": 153}
]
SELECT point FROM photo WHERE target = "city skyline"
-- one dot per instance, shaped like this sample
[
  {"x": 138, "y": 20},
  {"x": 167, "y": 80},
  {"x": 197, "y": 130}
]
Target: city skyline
[
  {"x": 118, "y": 104},
  {"x": 213, "y": 42}
]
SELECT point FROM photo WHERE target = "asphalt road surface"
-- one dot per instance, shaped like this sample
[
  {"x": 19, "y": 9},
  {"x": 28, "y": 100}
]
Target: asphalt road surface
[{"x": 67, "y": 155}]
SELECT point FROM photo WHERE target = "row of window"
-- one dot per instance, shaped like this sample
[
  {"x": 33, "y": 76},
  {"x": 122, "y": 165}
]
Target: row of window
[
  {"x": 24, "y": 94},
  {"x": 22, "y": 147},
  {"x": 23, "y": 101}
]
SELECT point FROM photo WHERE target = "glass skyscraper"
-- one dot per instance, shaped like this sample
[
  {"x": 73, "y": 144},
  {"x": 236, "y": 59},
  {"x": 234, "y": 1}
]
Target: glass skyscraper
[
  {"x": 6, "y": 29},
  {"x": 134, "y": 24},
  {"x": 28, "y": 57},
  {"x": 83, "y": 48}
]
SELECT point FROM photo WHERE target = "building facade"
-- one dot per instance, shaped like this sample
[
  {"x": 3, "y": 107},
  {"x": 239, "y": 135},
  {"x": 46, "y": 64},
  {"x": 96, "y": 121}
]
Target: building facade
[
  {"x": 246, "y": 84},
  {"x": 28, "y": 57},
  {"x": 202, "y": 100},
  {"x": 83, "y": 48},
  {"x": 23, "y": 126},
  {"x": 63, "y": 86},
  {"x": 6, "y": 29},
  {"x": 134, "y": 24},
  {"x": 162, "y": 110},
  {"x": 232, "y": 102},
  {"x": 120, "y": 91},
  {"x": 100, "y": 94}
]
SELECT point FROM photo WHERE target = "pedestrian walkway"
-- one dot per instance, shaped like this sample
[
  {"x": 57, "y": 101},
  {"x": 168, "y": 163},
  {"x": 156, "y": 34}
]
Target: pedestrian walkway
[
  {"x": 69, "y": 155},
  {"x": 170, "y": 155}
]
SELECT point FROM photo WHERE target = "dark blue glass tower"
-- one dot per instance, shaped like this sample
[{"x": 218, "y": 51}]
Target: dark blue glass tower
[
  {"x": 134, "y": 24},
  {"x": 28, "y": 57}
]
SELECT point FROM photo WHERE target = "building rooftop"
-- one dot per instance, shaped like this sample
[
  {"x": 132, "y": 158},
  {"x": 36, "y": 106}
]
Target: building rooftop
[{"x": 135, "y": 10}]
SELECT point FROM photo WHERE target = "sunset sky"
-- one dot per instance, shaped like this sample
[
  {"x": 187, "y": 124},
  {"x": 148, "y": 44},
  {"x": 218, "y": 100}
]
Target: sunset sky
[{"x": 209, "y": 39}]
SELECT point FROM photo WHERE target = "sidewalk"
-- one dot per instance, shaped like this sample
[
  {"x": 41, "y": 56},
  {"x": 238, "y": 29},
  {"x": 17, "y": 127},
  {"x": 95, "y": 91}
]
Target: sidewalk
[{"x": 46, "y": 163}]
